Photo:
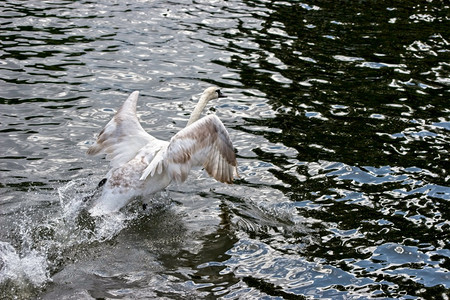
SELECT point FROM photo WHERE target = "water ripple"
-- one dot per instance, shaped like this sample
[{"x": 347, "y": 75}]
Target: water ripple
[{"x": 340, "y": 121}]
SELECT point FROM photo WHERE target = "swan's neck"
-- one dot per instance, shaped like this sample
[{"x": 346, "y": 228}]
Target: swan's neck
[{"x": 198, "y": 110}]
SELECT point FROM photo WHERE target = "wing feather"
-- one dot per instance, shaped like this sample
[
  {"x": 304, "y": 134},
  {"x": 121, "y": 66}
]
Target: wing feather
[
  {"x": 123, "y": 136},
  {"x": 204, "y": 143}
]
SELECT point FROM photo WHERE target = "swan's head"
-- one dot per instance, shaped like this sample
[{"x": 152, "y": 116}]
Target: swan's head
[
  {"x": 209, "y": 94},
  {"x": 212, "y": 93}
]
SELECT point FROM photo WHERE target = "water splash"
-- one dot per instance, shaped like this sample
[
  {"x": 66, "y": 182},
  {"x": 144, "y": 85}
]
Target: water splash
[
  {"x": 24, "y": 272},
  {"x": 45, "y": 246}
]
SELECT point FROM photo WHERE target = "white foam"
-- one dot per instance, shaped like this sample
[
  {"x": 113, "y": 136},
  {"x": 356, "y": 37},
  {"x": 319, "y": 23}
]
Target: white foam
[{"x": 29, "y": 267}]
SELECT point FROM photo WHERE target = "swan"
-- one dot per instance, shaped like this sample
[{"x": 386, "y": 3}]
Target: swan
[{"x": 142, "y": 164}]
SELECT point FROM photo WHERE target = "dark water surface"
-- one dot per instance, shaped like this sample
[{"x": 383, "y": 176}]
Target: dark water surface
[{"x": 339, "y": 111}]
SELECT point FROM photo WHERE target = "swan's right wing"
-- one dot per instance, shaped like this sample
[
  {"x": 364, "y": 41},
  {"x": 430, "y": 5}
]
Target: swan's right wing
[
  {"x": 204, "y": 143},
  {"x": 123, "y": 136}
]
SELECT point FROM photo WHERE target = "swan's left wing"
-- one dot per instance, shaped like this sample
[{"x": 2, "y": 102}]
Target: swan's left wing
[
  {"x": 204, "y": 143},
  {"x": 123, "y": 137}
]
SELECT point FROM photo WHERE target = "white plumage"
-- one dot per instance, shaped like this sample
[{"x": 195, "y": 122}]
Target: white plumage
[{"x": 143, "y": 165}]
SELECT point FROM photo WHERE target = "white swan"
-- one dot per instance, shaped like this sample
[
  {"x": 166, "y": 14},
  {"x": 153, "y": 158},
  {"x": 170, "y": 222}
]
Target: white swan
[{"x": 143, "y": 165}]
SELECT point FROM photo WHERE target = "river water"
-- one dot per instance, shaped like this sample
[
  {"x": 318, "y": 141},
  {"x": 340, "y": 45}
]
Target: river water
[{"x": 339, "y": 111}]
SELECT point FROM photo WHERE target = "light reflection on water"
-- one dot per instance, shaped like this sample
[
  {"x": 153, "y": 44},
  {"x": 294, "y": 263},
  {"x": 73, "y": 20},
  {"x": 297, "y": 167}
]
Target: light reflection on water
[{"x": 338, "y": 114}]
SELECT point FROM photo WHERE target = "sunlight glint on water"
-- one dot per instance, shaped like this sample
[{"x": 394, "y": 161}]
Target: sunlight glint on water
[{"x": 340, "y": 120}]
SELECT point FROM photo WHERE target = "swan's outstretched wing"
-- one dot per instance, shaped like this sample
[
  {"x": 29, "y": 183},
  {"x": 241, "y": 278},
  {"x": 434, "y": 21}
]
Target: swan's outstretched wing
[
  {"x": 123, "y": 136},
  {"x": 204, "y": 143}
]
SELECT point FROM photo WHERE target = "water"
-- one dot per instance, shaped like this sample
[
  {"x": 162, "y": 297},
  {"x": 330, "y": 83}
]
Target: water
[{"x": 339, "y": 112}]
